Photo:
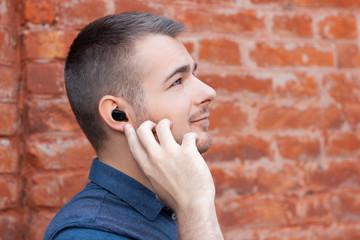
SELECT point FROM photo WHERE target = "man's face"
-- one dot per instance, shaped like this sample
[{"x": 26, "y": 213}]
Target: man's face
[{"x": 171, "y": 89}]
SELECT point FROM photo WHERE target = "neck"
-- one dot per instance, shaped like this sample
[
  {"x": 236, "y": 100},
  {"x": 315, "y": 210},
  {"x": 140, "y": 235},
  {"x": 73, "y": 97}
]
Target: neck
[{"x": 119, "y": 157}]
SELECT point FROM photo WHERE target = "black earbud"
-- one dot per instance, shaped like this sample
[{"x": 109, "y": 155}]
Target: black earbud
[{"x": 119, "y": 115}]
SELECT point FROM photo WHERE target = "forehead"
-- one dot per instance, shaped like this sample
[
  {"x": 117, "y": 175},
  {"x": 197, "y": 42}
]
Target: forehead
[{"x": 160, "y": 55}]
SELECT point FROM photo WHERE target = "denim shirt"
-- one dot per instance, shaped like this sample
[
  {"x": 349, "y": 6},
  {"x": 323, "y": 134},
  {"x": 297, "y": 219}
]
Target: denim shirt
[{"x": 112, "y": 206}]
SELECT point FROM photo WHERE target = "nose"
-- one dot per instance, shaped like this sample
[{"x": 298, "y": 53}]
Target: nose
[{"x": 204, "y": 94}]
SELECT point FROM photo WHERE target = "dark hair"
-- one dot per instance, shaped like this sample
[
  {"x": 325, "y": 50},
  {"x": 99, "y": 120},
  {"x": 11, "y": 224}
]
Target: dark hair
[{"x": 102, "y": 61}]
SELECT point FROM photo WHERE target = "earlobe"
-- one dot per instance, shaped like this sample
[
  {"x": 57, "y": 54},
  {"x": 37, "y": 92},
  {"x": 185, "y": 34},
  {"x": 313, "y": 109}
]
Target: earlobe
[{"x": 113, "y": 111}]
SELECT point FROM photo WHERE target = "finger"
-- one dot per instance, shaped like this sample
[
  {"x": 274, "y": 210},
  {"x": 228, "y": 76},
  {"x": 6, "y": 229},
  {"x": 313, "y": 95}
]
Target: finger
[
  {"x": 136, "y": 148},
  {"x": 189, "y": 140},
  {"x": 164, "y": 134},
  {"x": 146, "y": 136}
]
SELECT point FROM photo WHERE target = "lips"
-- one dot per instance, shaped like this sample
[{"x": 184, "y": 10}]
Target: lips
[
  {"x": 200, "y": 119},
  {"x": 201, "y": 115}
]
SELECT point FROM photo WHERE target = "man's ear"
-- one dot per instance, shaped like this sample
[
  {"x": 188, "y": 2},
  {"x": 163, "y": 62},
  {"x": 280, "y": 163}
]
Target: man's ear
[{"x": 110, "y": 103}]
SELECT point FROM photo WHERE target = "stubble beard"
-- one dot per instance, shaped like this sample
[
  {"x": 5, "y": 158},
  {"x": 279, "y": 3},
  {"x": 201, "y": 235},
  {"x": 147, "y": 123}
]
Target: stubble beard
[
  {"x": 204, "y": 140},
  {"x": 204, "y": 144}
]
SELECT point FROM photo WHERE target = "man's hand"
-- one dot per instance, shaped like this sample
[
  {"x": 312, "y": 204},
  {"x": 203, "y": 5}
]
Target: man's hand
[
  {"x": 178, "y": 173},
  {"x": 179, "y": 176}
]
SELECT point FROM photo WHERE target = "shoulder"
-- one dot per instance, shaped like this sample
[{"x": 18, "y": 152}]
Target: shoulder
[
  {"x": 80, "y": 212},
  {"x": 88, "y": 234}
]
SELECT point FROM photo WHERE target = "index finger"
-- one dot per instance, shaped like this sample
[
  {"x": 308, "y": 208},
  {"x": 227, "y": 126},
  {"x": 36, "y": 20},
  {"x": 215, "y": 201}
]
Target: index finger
[
  {"x": 146, "y": 136},
  {"x": 189, "y": 140},
  {"x": 164, "y": 134}
]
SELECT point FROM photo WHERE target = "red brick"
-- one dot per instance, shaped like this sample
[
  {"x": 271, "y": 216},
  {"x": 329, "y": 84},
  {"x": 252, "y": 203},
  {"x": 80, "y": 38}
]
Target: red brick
[
  {"x": 346, "y": 206},
  {"x": 77, "y": 14},
  {"x": 297, "y": 25},
  {"x": 348, "y": 56},
  {"x": 252, "y": 212},
  {"x": 54, "y": 190},
  {"x": 326, "y": 3},
  {"x": 339, "y": 233},
  {"x": 8, "y": 82},
  {"x": 9, "y": 120},
  {"x": 251, "y": 83},
  {"x": 38, "y": 223},
  {"x": 343, "y": 144},
  {"x": 10, "y": 189},
  {"x": 240, "y": 22},
  {"x": 52, "y": 44},
  {"x": 11, "y": 226},
  {"x": 279, "y": 181},
  {"x": 352, "y": 113},
  {"x": 291, "y": 233},
  {"x": 298, "y": 148},
  {"x": 51, "y": 115},
  {"x": 297, "y": 85},
  {"x": 9, "y": 155},
  {"x": 54, "y": 152},
  {"x": 234, "y": 147},
  {"x": 219, "y": 51},
  {"x": 189, "y": 47},
  {"x": 281, "y": 2},
  {"x": 271, "y": 118},
  {"x": 343, "y": 88},
  {"x": 232, "y": 178},
  {"x": 7, "y": 47},
  {"x": 39, "y": 11},
  {"x": 233, "y": 118},
  {"x": 7, "y": 14},
  {"x": 344, "y": 174},
  {"x": 291, "y": 54},
  {"x": 204, "y": 2},
  {"x": 310, "y": 209},
  {"x": 335, "y": 27},
  {"x": 136, "y": 5},
  {"x": 45, "y": 78}
]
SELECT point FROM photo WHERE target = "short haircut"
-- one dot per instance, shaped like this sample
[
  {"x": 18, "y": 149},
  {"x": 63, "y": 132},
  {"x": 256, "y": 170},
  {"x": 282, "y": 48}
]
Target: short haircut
[{"x": 102, "y": 61}]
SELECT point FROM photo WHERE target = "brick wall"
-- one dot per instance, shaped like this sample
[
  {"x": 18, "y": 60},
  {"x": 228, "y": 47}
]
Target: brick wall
[{"x": 286, "y": 153}]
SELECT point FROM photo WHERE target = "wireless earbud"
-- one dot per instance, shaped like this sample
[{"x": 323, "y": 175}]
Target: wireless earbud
[{"x": 119, "y": 115}]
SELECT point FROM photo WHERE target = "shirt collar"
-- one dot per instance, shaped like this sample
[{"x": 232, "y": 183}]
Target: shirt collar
[{"x": 128, "y": 189}]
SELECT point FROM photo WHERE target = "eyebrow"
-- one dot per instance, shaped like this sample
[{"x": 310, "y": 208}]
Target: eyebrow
[{"x": 182, "y": 69}]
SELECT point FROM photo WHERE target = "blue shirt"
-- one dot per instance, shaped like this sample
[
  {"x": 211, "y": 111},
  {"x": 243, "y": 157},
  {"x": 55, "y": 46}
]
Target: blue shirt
[{"x": 112, "y": 206}]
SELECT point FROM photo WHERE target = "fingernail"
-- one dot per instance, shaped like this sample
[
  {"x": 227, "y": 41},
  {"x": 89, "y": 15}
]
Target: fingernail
[{"x": 127, "y": 127}]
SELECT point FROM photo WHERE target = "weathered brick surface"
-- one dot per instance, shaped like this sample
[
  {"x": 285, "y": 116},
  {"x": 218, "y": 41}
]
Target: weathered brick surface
[
  {"x": 54, "y": 190},
  {"x": 297, "y": 25},
  {"x": 45, "y": 78},
  {"x": 8, "y": 83},
  {"x": 11, "y": 226},
  {"x": 39, "y": 221},
  {"x": 9, "y": 155},
  {"x": 220, "y": 51},
  {"x": 338, "y": 27},
  {"x": 9, "y": 118},
  {"x": 286, "y": 123},
  {"x": 50, "y": 44},
  {"x": 10, "y": 188},
  {"x": 43, "y": 152},
  {"x": 51, "y": 115},
  {"x": 39, "y": 11},
  {"x": 291, "y": 54},
  {"x": 243, "y": 22}
]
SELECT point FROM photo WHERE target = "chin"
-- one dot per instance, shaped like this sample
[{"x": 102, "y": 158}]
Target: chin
[{"x": 204, "y": 142}]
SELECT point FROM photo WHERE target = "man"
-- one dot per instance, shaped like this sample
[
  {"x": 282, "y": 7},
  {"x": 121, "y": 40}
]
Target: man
[{"x": 125, "y": 72}]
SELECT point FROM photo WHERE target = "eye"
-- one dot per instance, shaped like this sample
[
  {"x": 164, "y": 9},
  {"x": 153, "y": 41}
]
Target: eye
[{"x": 177, "y": 82}]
